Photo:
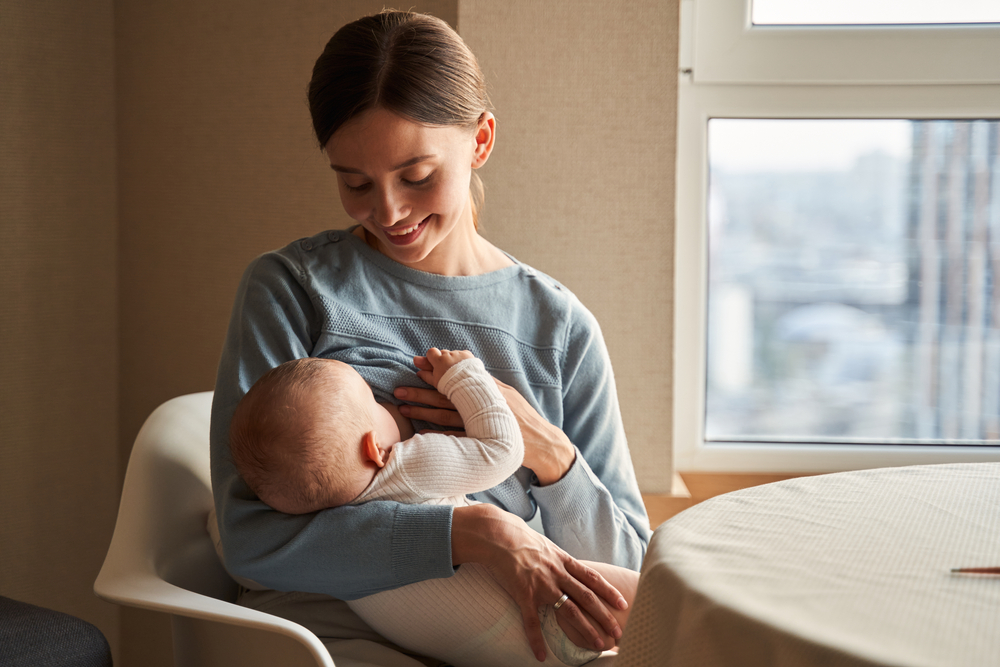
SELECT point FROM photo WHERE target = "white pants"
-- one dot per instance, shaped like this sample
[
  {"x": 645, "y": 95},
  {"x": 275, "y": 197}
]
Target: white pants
[
  {"x": 350, "y": 641},
  {"x": 466, "y": 619}
]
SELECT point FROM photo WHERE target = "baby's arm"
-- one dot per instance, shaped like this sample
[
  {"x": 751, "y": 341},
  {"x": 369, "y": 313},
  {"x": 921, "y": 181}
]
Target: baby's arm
[{"x": 442, "y": 466}]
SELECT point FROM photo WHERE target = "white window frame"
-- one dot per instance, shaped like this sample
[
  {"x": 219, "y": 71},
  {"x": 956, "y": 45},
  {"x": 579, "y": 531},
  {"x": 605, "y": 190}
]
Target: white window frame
[{"x": 730, "y": 69}]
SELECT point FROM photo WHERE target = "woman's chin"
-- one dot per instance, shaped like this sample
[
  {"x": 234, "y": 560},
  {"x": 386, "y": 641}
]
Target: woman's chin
[
  {"x": 430, "y": 248},
  {"x": 411, "y": 255}
]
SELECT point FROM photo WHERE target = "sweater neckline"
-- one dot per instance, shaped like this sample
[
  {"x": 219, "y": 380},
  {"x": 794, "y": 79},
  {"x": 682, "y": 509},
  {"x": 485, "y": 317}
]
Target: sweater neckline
[{"x": 423, "y": 278}]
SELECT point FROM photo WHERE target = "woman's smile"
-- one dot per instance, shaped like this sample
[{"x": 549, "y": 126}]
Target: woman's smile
[
  {"x": 406, "y": 235},
  {"x": 407, "y": 183}
]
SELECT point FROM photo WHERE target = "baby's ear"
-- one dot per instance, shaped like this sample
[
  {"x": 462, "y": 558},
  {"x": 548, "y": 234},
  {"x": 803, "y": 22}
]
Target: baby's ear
[{"x": 371, "y": 450}]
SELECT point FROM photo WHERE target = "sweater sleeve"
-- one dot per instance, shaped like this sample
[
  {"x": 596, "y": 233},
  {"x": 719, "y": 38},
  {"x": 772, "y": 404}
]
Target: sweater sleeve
[
  {"x": 595, "y": 511},
  {"x": 273, "y": 321},
  {"x": 435, "y": 466}
]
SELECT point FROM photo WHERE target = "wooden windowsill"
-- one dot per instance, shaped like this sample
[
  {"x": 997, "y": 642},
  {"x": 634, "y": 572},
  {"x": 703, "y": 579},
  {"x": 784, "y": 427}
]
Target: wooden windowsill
[{"x": 690, "y": 488}]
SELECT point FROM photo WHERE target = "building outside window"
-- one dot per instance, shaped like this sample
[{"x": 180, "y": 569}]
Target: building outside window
[{"x": 838, "y": 242}]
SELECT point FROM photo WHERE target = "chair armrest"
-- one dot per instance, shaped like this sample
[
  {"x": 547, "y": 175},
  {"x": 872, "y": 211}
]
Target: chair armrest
[{"x": 149, "y": 592}]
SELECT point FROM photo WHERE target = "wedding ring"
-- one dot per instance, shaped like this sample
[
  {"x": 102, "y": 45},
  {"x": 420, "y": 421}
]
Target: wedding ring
[{"x": 561, "y": 601}]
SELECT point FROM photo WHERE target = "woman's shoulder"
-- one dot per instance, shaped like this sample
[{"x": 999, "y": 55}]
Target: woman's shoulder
[
  {"x": 546, "y": 290},
  {"x": 302, "y": 249},
  {"x": 303, "y": 258}
]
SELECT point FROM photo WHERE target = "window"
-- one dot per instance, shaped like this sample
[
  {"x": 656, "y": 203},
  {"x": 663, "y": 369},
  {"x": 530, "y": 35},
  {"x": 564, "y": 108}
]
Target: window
[
  {"x": 874, "y": 12},
  {"x": 837, "y": 289}
]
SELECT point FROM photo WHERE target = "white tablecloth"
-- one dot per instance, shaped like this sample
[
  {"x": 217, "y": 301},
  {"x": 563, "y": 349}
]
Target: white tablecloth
[{"x": 846, "y": 569}]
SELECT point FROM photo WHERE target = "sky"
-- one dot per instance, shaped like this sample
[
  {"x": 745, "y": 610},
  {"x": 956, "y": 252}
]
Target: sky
[{"x": 781, "y": 145}]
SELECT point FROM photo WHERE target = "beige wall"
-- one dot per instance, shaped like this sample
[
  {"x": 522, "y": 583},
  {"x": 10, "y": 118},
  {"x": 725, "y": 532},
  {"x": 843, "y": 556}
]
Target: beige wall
[
  {"x": 58, "y": 291},
  {"x": 126, "y": 301},
  {"x": 217, "y": 164},
  {"x": 580, "y": 184}
]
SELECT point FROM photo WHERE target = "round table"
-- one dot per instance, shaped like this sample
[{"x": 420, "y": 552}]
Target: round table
[{"x": 844, "y": 569}]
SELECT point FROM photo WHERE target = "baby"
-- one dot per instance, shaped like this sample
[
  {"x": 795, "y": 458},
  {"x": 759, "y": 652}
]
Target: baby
[{"x": 309, "y": 435}]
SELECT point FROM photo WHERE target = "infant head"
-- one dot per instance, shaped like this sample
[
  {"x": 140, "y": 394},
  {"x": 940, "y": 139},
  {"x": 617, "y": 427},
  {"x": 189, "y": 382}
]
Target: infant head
[{"x": 296, "y": 437}]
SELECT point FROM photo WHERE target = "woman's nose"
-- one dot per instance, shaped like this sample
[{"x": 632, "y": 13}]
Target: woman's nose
[{"x": 389, "y": 209}]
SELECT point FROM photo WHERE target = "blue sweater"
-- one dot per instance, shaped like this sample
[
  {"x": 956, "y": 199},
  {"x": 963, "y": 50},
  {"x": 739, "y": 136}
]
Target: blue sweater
[{"x": 333, "y": 296}]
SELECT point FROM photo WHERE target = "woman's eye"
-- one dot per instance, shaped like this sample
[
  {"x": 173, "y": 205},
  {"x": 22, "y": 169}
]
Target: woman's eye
[
  {"x": 422, "y": 181},
  {"x": 357, "y": 188}
]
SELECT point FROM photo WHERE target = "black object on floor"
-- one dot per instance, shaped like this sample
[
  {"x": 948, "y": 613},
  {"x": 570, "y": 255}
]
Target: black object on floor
[{"x": 32, "y": 636}]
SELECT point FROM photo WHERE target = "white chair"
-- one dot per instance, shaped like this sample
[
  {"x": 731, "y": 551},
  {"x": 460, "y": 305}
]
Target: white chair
[{"x": 162, "y": 559}]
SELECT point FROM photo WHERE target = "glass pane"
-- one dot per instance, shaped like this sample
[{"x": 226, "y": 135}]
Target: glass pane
[
  {"x": 853, "y": 281},
  {"x": 874, "y": 12}
]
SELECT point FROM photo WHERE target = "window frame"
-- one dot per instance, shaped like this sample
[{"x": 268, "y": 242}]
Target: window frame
[
  {"x": 728, "y": 48},
  {"x": 708, "y": 88}
]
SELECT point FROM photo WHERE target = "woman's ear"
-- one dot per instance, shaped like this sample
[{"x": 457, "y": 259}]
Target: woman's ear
[
  {"x": 370, "y": 449},
  {"x": 485, "y": 135}
]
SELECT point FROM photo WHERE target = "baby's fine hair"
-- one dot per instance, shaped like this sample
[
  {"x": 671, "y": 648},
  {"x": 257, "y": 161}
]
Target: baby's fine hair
[{"x": 293, "y": 461}]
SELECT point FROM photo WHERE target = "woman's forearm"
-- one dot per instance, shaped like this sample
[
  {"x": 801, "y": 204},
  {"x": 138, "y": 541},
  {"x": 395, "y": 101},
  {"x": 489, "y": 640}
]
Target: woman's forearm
[
  {"x": 469, "y": 543},
  {"x": 547, "y": 450},
  {"x": 552, "y": 464},
  {"x": 581, "y": 515}
]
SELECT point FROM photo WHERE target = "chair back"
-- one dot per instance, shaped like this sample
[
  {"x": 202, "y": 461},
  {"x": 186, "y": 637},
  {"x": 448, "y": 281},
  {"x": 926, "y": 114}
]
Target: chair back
[
  {"x": 171, "y": 495},
  {"x": 161, "y": 557}
]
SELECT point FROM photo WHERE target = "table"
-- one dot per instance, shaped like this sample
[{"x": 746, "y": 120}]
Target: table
[{"x": 849, "y": 569}]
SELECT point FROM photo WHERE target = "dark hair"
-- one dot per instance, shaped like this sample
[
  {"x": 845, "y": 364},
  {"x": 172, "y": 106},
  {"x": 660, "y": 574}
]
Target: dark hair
[{"x": 411, "y": 64}]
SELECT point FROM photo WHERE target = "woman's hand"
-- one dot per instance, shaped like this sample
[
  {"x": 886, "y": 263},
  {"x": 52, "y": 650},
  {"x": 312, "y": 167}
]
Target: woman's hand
[
  {"x": 547, "y": 450},
  {"x": 440, "y": 411},
  {"x": 536, "y": 572}
]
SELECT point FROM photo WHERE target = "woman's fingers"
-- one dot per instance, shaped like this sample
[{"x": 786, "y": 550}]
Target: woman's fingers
[
  {"x": 447, "y": 418},
  {"x": 533, "y": 630},
  {"x": 536, "y": 572},
  {"x": 585, "y": 616},
  {"x": 572, "y": 633},
  {"x": 431, "y": 397},
  {"x": 436, "y": 409},
  {"x": 578, "y": 627},
  {"x": 530, "y": 595},
  {"x": 563, "y": 617},
  {"x": 595, "y": 583}
]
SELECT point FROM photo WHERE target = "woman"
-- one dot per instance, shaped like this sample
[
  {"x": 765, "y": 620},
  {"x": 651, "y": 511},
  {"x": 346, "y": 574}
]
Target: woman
[{"x": 400, "y": 109}]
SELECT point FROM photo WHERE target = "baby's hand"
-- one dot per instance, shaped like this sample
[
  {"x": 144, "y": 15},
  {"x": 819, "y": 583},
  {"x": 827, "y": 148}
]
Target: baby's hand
[{"x": 436, "y": 363}]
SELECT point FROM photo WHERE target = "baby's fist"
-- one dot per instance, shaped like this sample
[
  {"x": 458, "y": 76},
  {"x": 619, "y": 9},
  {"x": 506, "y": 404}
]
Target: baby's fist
[{"x": 438, "y": 362}]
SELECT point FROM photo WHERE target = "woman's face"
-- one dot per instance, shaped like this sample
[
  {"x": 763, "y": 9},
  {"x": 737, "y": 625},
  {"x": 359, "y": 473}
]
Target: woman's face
[{"x": 408, "y": 184}]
